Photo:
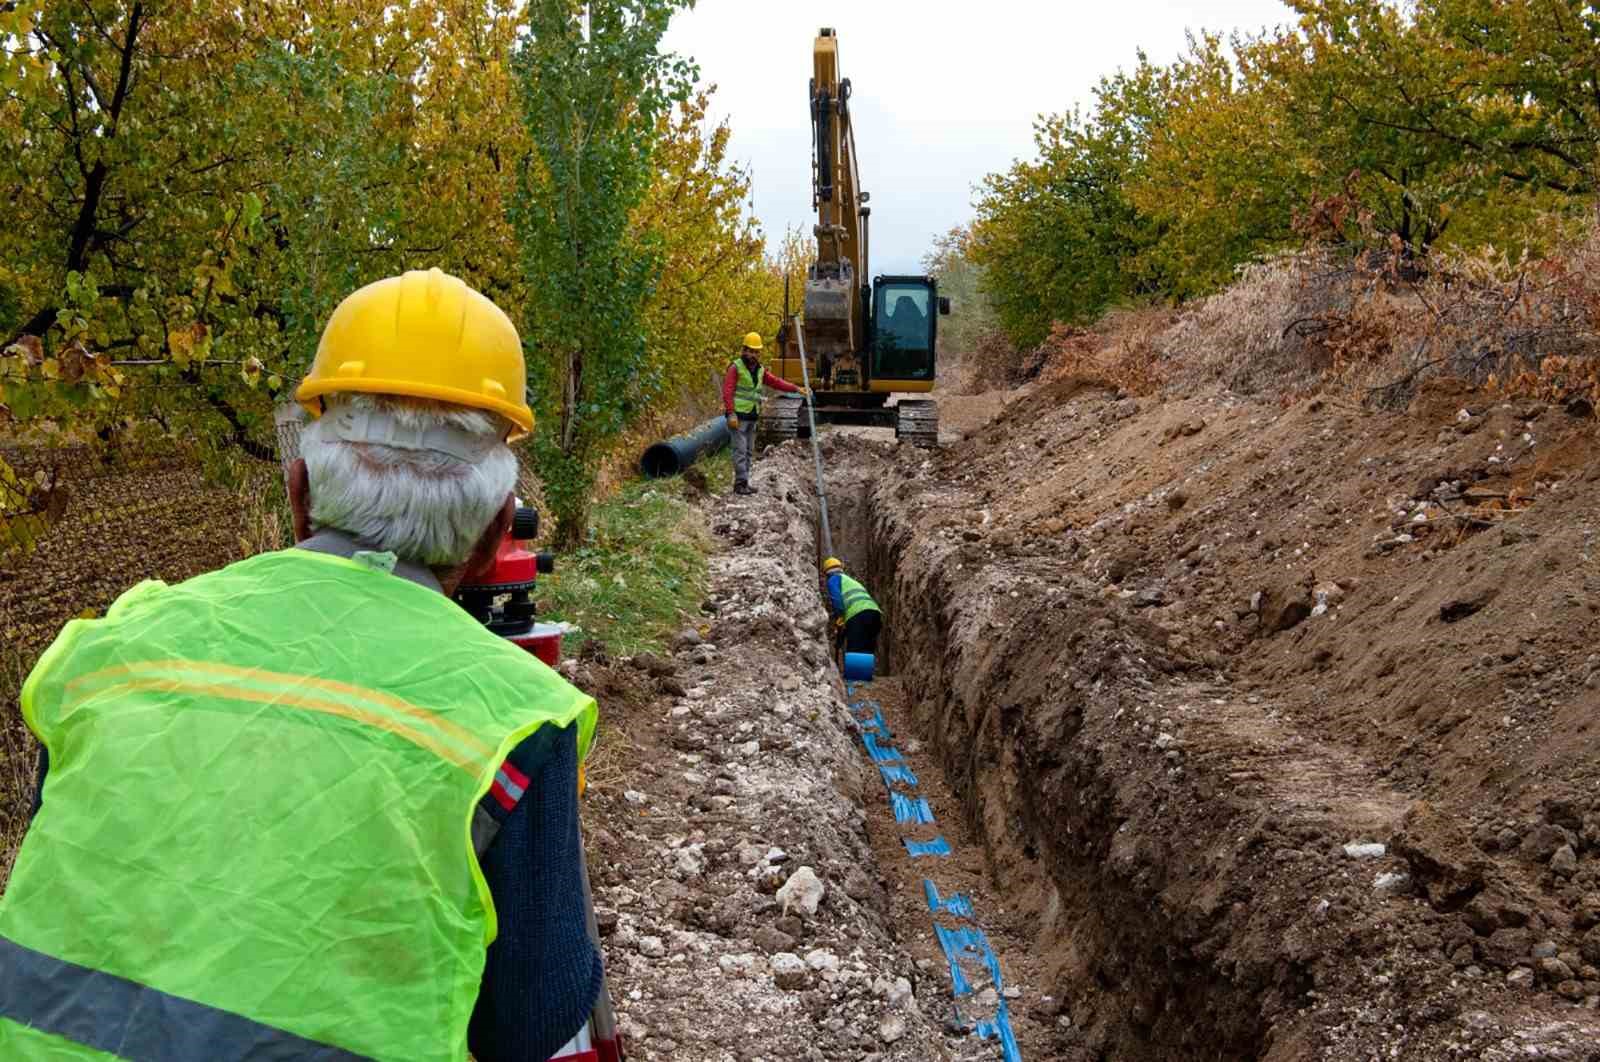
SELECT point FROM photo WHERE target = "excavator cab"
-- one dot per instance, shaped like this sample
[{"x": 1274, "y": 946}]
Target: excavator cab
[{"x": 902, "y": 338}]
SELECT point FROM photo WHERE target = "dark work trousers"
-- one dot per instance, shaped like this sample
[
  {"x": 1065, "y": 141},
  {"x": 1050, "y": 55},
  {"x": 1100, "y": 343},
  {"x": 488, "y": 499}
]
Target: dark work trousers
[{"x": 861, "y": 632}]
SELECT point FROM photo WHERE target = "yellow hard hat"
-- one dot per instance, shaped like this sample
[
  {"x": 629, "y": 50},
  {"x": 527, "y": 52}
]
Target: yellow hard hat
[
  {"x": 831, "y": 563},
  {"x": 425, "y": 334},
  {"x": 752, "y": 341}
]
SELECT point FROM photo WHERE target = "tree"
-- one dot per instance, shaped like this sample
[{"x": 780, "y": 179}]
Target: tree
[
  {"x": 714, "y": 286},
  {"x": 192, "y": 189},
  {"x": 194, "y": 192},
  {"x": 1057, "y": 237},
  {"x": 593, "y": 86},
  {"x": 949, "y": 261}
]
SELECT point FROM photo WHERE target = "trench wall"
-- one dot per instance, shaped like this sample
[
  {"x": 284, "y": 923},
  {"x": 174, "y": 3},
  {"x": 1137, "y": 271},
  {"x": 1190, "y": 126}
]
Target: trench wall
[{"x": 1023, "y": 682}]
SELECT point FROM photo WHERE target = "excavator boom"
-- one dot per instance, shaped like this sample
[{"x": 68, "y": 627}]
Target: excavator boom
[{"x": 863, "y": 342}]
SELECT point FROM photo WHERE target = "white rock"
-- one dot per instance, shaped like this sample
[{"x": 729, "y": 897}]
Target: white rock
[
  {"x": 891, "y": 1028},
  {"x": 820, "y": 960},
  {"x": 1165, "y": 741},
  {"x": 633, "y": 796},
  {"x": 1358, "y": 850},
  {"x": 691, "y": 860},
  {"x": 652, "y": 947},
  {"x": 750, "y": 854},
  {"x": 1389, "y": 881},
  {"x": 749, "y": 749},
  {"x": 789, "y": 970},
  {"x": 899, "y": 993},
  {"x": 777, "y": 855},
  {"x": 742, "y": 965},
  {"x": 802, "y": 892}
]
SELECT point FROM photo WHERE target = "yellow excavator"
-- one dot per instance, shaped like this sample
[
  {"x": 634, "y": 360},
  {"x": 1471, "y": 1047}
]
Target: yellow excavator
[{"x": 863, "y": 342}]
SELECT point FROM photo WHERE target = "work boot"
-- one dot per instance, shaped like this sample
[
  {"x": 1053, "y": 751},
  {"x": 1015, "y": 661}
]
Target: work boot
[{"x": 743, "y": 488}]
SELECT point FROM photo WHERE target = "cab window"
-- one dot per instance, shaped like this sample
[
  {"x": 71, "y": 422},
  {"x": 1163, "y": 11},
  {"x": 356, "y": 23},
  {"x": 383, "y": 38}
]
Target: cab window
[{"x": 902, "y": 328}]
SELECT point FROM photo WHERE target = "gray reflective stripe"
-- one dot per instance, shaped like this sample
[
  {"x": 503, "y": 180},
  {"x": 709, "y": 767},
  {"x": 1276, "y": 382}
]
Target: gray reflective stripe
[
  {"x": 484, "y": 831},
  {"x": 137, "y": 1022}
]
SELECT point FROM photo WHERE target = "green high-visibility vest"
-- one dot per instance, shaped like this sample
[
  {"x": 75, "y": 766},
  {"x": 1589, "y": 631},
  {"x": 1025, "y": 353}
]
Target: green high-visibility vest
[
  {"x": 855, "y": 597},
  {"x": 256, "y": 833},
  {"x": 748, "y": 393}
]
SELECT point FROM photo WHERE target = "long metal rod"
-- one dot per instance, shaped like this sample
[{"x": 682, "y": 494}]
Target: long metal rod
[{"x": 816, "y": 447}]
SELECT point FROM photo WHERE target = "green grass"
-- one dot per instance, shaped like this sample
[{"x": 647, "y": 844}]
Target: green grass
[{"x": 642, "y": 575}]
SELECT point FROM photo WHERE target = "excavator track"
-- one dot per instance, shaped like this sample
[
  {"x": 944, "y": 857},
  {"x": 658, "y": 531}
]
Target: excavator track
[
  {"x": 917, "y": 422},
  {"x": 781, "y": 421}
]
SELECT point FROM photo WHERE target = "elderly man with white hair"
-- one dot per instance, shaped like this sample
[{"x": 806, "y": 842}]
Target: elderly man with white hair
[{"x": 305, "y": 806}]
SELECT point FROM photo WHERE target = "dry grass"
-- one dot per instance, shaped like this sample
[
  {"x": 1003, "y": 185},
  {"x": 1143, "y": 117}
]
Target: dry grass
[
  {"x": 1122, "y": 350},
  {"x": 992, "y": 364},
  {"x": 1375, "y": 324}
]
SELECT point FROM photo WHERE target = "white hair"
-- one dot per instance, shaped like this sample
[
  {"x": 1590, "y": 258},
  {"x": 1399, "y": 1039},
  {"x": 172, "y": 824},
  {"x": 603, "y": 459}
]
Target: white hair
[{"x": 426, "y": 505}]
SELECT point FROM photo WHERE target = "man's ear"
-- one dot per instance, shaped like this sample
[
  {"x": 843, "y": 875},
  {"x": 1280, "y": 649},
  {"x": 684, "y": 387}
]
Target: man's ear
[
  {"x": 482, "y": 556},
  {"x": 300, "y": 499}
]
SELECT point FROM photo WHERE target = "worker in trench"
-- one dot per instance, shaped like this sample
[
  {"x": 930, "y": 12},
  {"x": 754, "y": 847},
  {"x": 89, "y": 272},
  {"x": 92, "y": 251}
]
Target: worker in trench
[
  {"x": 306, "y": 806},
  {"x": 743, "y": 391},
  {"x": 857, "y": 619}
]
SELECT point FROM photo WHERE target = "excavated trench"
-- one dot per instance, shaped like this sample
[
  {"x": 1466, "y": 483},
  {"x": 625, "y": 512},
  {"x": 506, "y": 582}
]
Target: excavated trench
[{"x": 1038, "y": 703}]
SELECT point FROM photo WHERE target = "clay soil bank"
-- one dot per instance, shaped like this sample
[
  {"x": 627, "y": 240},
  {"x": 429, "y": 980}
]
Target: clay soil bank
[{"x": 1276, "y": 726}]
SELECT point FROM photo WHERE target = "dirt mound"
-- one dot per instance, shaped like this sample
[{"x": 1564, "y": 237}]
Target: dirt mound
[{"x": 1286, "y": 716}]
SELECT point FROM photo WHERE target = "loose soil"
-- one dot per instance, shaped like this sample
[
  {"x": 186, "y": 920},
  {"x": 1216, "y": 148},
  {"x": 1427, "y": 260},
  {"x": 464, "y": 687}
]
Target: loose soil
[{"x": 1175, "y": 656}]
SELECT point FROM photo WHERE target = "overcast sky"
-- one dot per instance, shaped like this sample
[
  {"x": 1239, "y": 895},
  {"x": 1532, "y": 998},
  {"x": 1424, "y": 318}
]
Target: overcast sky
[{"x": 944, "y": 92}]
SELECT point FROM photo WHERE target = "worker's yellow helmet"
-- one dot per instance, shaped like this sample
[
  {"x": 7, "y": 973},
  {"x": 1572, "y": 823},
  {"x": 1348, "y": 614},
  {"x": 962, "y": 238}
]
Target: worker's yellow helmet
[
  {"x": 424, "y": 334},
  {"x": 831, "y": 563},
  {"x": 752, "y": 341}
]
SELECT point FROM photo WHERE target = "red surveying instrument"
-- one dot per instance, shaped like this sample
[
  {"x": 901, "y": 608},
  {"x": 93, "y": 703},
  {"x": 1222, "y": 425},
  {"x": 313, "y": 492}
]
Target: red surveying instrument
[{"x": 502, "y": 600}]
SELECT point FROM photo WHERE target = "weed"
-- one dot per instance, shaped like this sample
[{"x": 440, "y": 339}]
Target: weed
[{"x": 642, "y": 568}]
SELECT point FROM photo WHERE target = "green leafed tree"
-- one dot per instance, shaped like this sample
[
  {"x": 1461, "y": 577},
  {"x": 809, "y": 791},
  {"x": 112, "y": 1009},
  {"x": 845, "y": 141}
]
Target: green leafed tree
[
  {"x": 594, "y": 86},
  {"x": 1056, "y": 236}
]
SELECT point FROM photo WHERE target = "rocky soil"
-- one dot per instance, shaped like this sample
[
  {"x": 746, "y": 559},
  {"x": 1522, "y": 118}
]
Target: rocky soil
[{"x": 744, "y": 913}]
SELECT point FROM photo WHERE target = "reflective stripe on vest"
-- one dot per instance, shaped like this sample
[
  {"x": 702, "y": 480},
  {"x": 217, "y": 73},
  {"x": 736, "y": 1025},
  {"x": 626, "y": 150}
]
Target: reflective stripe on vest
[
  {"x": 855, "y": 597},
  {"x": 261, "y": 800},
  {"x": 123, "y": 1018},
  {"x": 748, "y": 392}
]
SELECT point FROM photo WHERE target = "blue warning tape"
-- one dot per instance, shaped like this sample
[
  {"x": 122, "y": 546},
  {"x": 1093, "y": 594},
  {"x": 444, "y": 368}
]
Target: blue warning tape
[
  {"x": 936, "y": 847},
  {"x": 1000, "y": 1029},
  {"x": 908, "y": 810},
  {"x": 954, "y": 942},
  {"x": 878, "y": 752},
  {"x": 897, "y": 772},
  {"x": 966, "y": 943},
  {"x": 957, "y": 904}
]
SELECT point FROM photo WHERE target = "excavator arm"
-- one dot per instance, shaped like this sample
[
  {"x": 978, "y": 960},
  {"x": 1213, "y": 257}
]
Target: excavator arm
[
  {"x": 863, "y": 341},
  {"x": 836, "y": 291}
]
